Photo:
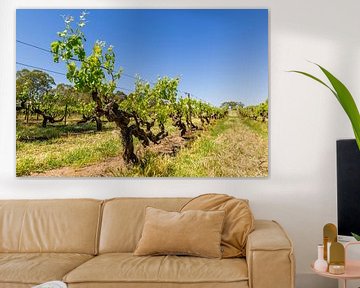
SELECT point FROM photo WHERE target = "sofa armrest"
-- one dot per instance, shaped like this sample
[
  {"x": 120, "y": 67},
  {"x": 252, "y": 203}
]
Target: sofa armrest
[{"x": 269, "y": 256}]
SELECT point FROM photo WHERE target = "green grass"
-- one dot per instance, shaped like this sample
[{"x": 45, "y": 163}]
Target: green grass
[
  {"x": 56, "y": 146},
  {"x": 71, "y": 151},
  {"x": 34, "y": 131}
]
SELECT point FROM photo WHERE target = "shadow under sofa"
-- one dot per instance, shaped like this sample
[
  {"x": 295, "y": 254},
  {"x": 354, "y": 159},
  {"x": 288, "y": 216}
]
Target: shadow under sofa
[{"x": 90, "y": 243}]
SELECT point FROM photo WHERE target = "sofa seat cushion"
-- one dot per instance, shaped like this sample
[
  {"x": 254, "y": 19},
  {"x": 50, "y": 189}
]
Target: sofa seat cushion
[
  {"x": 36, "y": 268},
  {"x": 127, "y": 268}
]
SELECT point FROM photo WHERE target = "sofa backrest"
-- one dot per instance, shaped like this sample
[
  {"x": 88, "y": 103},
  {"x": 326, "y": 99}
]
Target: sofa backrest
[
  {"x": 67, "y": 226},
  {"x": 123, "y": 220}
]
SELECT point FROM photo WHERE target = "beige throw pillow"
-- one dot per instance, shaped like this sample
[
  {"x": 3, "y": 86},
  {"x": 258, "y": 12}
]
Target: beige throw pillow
[
  {"x": 196, "y": 233},
  {"x": 239, "y": 220}
]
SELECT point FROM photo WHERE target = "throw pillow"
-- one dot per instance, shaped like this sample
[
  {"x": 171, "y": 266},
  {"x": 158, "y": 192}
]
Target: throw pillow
[
  {"x": 238, "y": 224},
  {"x": 196, "y": 233}
]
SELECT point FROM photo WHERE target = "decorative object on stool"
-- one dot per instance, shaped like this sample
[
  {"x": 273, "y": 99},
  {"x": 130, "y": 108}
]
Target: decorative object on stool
[
  {"x": 320, "y": 264},
  {"x": 329, "y": 236},
  {"x": 340, "y": 266},
  {"x": 337, "y": 258},
  {"x": 334, "y": 251}
]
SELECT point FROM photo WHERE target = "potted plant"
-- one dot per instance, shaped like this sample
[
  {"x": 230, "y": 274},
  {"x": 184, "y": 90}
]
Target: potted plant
[{"x": 345, "y": 99}]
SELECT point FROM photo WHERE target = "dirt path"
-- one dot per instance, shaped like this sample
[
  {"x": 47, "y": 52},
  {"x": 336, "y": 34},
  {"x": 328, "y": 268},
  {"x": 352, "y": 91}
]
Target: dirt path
[{"x": 101, "y": 169}]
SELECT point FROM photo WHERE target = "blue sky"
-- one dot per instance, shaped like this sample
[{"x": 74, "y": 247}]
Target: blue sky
[{"x": 219, "y": 55}]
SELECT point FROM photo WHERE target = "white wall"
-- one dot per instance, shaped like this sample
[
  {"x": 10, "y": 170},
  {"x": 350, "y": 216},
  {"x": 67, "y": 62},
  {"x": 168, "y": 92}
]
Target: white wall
[{"x": 305, "y": 120}]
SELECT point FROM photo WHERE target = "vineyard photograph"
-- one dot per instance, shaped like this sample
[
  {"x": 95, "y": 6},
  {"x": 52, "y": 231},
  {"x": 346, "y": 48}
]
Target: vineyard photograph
[{"x": 142, "y": 93}]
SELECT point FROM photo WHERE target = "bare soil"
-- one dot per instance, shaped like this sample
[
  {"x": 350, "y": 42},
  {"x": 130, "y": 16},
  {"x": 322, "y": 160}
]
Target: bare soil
[{"x": 101, "y": 169}]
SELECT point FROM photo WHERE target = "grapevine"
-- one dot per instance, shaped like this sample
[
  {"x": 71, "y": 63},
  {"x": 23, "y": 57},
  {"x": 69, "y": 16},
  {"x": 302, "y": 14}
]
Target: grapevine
[{"x": 255, "y": 112}]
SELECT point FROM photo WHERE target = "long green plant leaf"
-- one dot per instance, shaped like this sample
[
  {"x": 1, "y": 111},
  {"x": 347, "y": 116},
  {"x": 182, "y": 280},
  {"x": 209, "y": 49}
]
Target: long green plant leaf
[
  {"x": 347, "y": 102},
  {"x": 344, "y": 97}
]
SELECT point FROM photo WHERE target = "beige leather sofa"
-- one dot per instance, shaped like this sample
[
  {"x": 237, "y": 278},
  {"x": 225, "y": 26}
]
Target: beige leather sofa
[{"x": 89, "y": 243}]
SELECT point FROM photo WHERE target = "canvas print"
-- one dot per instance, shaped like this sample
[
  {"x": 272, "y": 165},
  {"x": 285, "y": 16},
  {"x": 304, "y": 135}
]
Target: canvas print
[{"x": 142, "y": 93}]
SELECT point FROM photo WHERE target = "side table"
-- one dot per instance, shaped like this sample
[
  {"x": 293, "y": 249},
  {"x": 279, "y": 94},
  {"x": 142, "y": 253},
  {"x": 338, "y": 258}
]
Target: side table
[{"x": 352, "y": 268}]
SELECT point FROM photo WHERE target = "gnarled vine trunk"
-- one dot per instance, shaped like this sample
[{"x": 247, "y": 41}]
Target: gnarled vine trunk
[
  {"x": 177, "y": 122},
  {"x": 49, "y": 118},
  {"x": 97, "y": 120},
  {"x": 122, "y": 120},
  {"x": 128, "y": 131},
  {"x": 128, "y": 143}
]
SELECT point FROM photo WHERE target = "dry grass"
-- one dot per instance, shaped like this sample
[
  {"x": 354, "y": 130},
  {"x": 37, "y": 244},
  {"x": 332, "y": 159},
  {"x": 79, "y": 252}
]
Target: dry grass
[{"x": 231, "y": 149}]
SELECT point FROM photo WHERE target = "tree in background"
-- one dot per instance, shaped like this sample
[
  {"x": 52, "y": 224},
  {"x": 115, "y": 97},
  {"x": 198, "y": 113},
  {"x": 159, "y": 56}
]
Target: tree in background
[
  {"x": 31, "y": 87},
  {"x": 233, "y": 105},
  {"x": 36, "y": 94},
  {"x": 66, "y": 97},
  {"x": 49, "y": 108}
]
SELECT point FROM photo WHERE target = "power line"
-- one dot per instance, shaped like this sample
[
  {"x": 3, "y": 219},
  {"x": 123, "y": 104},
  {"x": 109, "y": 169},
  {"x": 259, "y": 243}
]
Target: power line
[
  {"x": 77, "y": 60},
  {"x": 56, "y": 72},
  {"x": 60, "y": 73},
  {"x": 33, "y": 46},
  {"x": 74, "y": 59},
  {"x": 39, "y": 68}
]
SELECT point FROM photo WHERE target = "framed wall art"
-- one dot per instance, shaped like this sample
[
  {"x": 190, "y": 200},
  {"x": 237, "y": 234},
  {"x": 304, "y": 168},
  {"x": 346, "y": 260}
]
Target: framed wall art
[{"x": 142, "y": 93}]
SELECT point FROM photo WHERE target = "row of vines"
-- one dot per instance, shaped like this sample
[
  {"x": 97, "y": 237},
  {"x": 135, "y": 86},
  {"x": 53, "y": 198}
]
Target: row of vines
[{"x": 258, "y": 112}]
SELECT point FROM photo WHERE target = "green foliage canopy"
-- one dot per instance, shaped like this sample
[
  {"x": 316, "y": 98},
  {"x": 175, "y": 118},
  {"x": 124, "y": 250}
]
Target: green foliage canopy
[
  {"x": 96, "y": 71},
  {"x": 31, "y": 86}
]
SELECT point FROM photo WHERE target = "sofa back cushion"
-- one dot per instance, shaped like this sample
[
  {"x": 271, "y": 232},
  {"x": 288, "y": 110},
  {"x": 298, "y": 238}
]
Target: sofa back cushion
[
  {"x": 123, "y": 220},
  {"x": 238, "y": 224},
  {"x": 66, "y": 226}
]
